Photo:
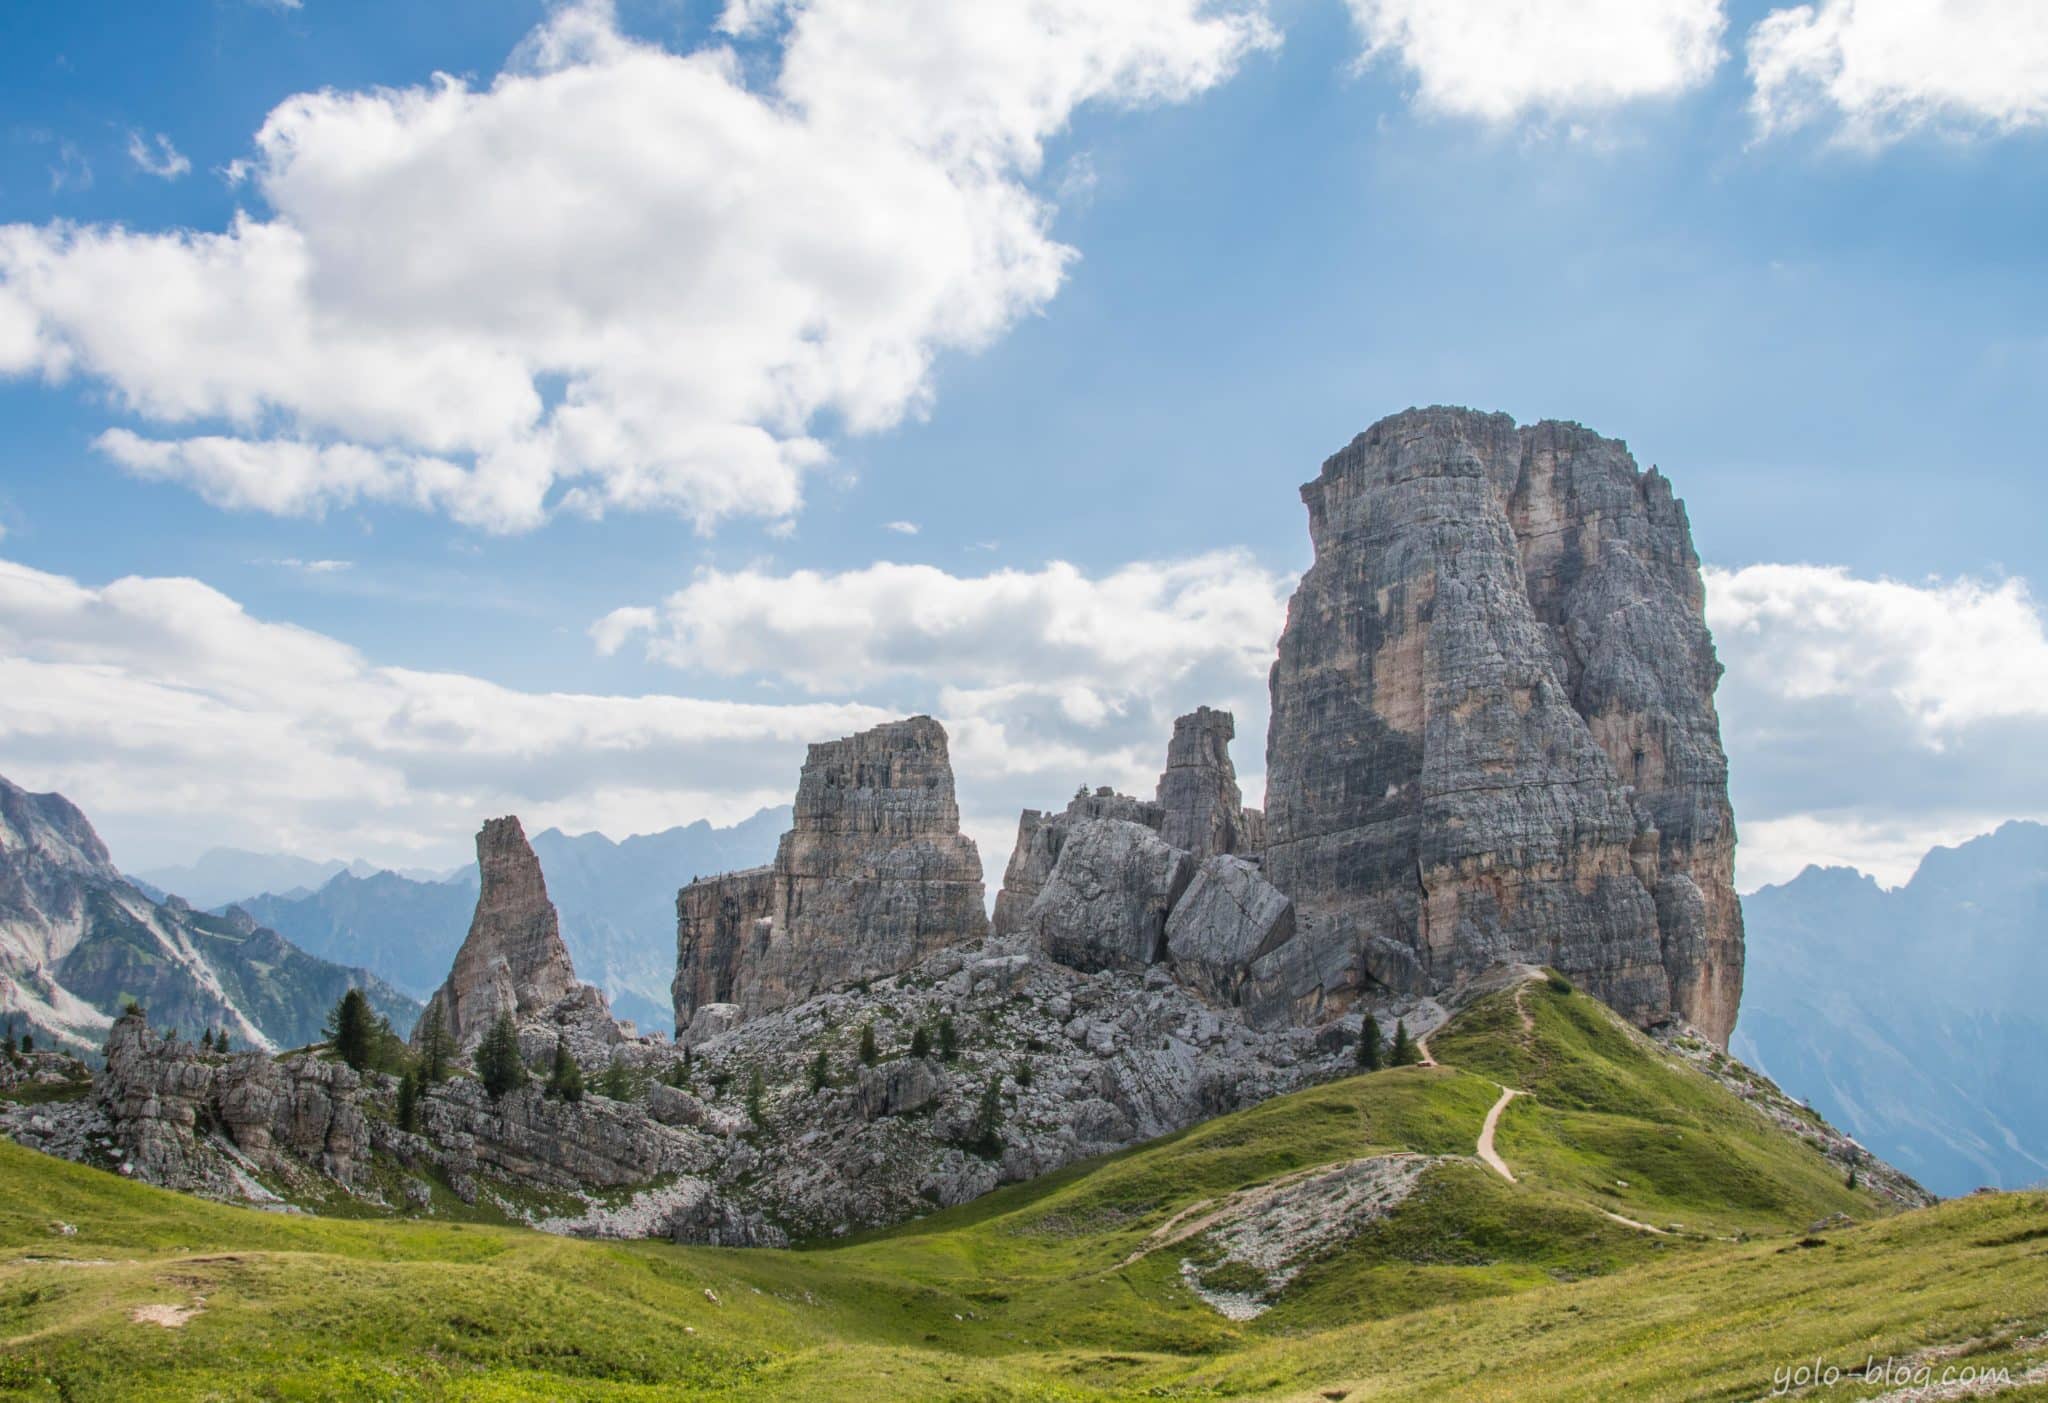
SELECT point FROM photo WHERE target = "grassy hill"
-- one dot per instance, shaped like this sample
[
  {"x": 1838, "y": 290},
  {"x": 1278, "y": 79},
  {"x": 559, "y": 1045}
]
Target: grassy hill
[{"x": 1082, "y": 1285}]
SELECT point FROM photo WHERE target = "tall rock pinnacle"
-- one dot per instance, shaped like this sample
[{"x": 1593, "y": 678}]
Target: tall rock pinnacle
[
  {"x": 873, "y": 876},
  {"x": 513, "y": 960},
  {"x": 1493, "y": 732}
]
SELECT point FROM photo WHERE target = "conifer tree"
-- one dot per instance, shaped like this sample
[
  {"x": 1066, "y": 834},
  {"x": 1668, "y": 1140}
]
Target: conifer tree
[
  {"x": 949, "y": 1039},
  {"x": 868, "y": 1050},
  {"x": 435, "y": 1047},
  {"x": 28, "y": 1042},
  {"x": 988, "y": 1120},
  {"x": 565, "y": 1078},
  {"x": 615, "y": 1083},
  {"x": 1369, "y": 1057},
  {"x": 206, "y": 1041},
  {"x": 920, "y": 1044},
  {"x": 352, "y": 1028},
  {"x": 821, "y": 1071},
  {"x": 757, "y": 1087},
  {"x": 498, "y": 1062},
  {"x": 409, "y": 1101},
  {"x": 1022, "y": 1075},
  {"x": 1406, "y": 1054}
]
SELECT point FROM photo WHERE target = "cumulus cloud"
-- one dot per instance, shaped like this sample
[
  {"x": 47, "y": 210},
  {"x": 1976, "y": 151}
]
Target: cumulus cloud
[
  {"x": 1499, "y": 61},
  {"x": 1870, "y": 720},
  {"x": 615, "y": 276},
  {"x": 901, "y": 528},
  {"x": 1046, "y": 679},
  {"x": 158, "y": 157},
  {"x": 1883, "y": 68},
  {"x": 177, "y": 719}
]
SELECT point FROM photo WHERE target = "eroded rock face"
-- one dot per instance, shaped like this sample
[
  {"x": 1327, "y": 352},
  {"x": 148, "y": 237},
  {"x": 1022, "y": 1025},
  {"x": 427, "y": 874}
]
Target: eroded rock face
[
  {"x": 873, "y": 876},
  {"x": 513, "y": 960},
  {"x": 1493, "y": 734},
  {"x": 1040, "y": 836},
  {"x": 1106, "y": 903},
  {"x": 164, "y": 1098},
  {"x": 1229, "y": 918},
  {"x": 1202, "y": 811}
]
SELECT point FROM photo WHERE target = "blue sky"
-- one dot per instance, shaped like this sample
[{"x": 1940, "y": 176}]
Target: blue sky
[{"x": 1796, "y": 262}]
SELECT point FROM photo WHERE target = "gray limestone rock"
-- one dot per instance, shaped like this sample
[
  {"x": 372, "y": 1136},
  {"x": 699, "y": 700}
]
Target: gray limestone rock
[
  {"x": 1198, "y": 795},
  {"x": 873, "y": 876},
  {"x": 514, "y": 962},
  {"x": 1227, "y": 920},
  {"x": 1040, "y": 836},
  {"x": 1492, "y": 721},
  {"x": 1106, "y": 902}
]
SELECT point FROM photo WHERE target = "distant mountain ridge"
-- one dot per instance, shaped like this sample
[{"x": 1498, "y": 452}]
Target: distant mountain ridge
[
  {"x": 221, "y": 876},
  {"x": 1913, "y": 1017},
  {"x": 77, "y": 941},
  {"x": 617, "y": 902}
]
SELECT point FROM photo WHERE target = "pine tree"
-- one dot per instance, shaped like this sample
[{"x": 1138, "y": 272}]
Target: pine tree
[
  {"x": 1406, "y": 1054},
  {"x": 1369, "y": 1058},
  {"x": 920, "y": 1044},
  {"x": 868, "y": 1051},
  {"x": 988, "y": 1120},
  {"x": 565, "y": 1078},
  {"x": 409, "y": 1101},
  {"x": 28, "y": 1043},
  {"x": 498, "y": 1062},
  {"x": 615, "y": 1083},
  {"x": 206, "y": 1041},
  {"x": 352, "y": 1028},
  {"x": 949, "y": 1039},
  {"x": 1852, "y": 1176},
  {"x": 220, "y": 1040},
  {"x": 435, "y": 1046},
  {"x": 821, "y": 1071},
  {"x": 757, "y": 1087},
  {"x": 1022, "y": 1075}
]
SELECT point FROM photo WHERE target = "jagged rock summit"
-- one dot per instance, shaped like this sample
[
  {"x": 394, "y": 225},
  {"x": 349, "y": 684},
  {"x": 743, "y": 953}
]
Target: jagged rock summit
[
  {"x": 873, "y": 876},
  {"x": 1493, "y": 735},
  {"x": 513, "y": 960}
]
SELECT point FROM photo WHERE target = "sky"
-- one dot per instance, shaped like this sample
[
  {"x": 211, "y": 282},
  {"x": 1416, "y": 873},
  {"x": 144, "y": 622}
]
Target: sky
[{"x": 417, "y": 413}]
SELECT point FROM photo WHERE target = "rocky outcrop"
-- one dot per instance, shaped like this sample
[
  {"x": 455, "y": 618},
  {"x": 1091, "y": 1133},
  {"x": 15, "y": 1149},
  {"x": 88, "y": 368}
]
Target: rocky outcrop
[
  {"x": 513, "y": 961},
  {"x": 1221, "y": 931},
  {"x": 1040, "y": 836},
  {"x": 873, "y": 876},
  {"x": 185, "y": 1118},
  {"x": 1106, "y": 902},
  {"x": 1202, "y": 811},
  {"x": 1493, "y": 735}
]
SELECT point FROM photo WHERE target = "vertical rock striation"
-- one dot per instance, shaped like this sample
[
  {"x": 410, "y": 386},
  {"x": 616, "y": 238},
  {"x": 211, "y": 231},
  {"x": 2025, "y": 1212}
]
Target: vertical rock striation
[
  {"x": 513, "y": 960},
  {"x": 1203, "y": 812},
  {"x": 1493, "y": 733},
  {"x": 873, "y": 876}
]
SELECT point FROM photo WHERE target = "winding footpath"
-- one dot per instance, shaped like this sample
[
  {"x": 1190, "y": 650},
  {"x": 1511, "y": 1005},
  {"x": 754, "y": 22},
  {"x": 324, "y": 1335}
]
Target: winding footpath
[{"x": 1486, "y": 1152}]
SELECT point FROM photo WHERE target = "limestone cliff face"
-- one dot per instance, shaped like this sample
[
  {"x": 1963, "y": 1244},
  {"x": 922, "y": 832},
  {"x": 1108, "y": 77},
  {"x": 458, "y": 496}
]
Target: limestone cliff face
[
  {"x": 513, "y": 960},
  {"x": 1493, "y": 733},
  {"x": 1203, "y": 811},
  {"x": 873, "y": 876}
]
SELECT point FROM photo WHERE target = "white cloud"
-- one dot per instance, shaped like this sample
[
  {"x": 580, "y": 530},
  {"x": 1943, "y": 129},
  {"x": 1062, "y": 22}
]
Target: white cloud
[
  {"x": 177, "y": 720},
  {"x": 1887, "y": 67},
  {"x": 1045, "y": 679},
  {"x": 901, "y": 528},
  {"x": 162, "y": 160},
  {"x": 1869, "y": 720},
  {"x": 315, "y": 567},
  {"x": 1497, "y": 60},
  {"x": 615, "y": 277}
]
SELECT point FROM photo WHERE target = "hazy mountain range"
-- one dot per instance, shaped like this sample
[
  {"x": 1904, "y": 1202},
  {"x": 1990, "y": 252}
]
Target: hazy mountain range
[
  {"x": 617, "y": 902},
  {"x": 1913, "y": 1018}
]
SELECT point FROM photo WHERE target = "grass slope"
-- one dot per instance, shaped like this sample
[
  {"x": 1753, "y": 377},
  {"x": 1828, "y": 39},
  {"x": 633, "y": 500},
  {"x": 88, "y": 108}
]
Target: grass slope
[{"x": 1472, "y": 1288}]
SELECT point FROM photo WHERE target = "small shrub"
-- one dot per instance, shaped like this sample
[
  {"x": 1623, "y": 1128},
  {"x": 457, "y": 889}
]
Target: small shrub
[{"x": 1558, "y": 983}]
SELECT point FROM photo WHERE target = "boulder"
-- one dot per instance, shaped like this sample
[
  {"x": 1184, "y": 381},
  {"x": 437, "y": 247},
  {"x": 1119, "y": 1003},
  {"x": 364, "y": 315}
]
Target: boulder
[
  {"x": 1228, "y": 918},
  {"x": 1106, "y": 902}
]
